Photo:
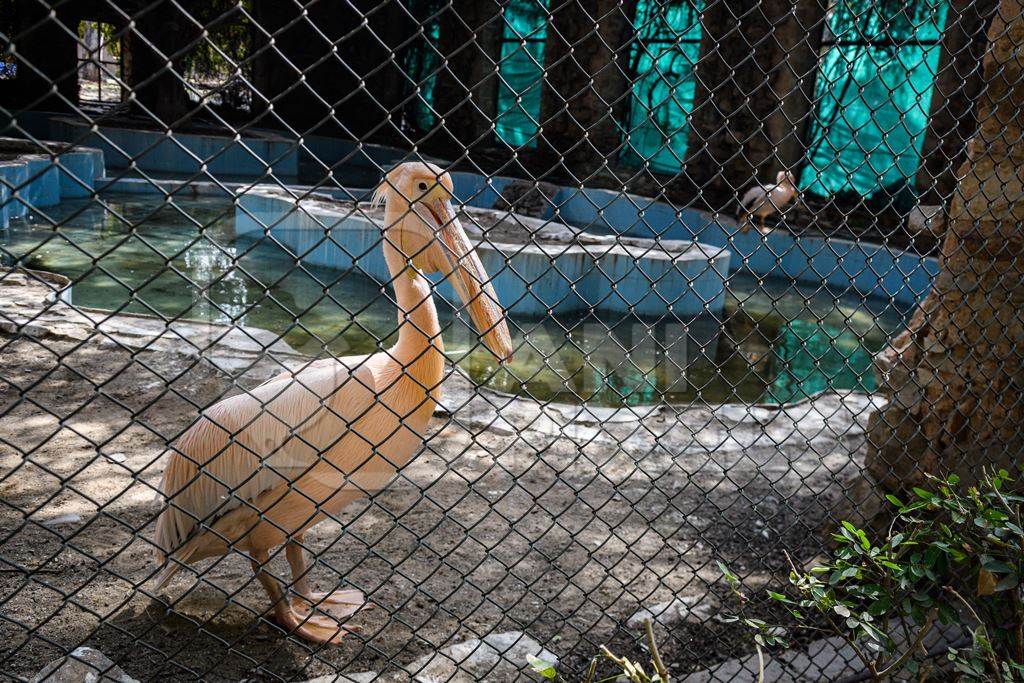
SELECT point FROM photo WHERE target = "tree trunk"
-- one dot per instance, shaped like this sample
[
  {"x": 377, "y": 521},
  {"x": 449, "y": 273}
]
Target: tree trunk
[
  {"x": 798, "y": 40},
  {"x": 955, "y": 376},
  {"x": 155, "y": 51},
  {"x": 587, "y": 87},
  {"x": 467, "y": 87},
  {"x": 752, "y": 93},
  {"x": 957, "y": 84}
]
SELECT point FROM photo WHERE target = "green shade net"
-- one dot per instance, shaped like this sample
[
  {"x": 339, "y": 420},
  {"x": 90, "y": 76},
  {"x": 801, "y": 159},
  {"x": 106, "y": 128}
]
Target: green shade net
[
  {"x": 666, "y": 49},
  {"x": 422, "y": 63},
  {"x": 814, "y": 357},
  {"x": 874, "y": 91},
  {"x": 521, "y": 69}
]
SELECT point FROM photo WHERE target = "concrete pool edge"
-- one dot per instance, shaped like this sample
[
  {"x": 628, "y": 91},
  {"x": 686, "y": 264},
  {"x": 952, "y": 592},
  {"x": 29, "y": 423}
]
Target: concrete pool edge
[
  {"x": 38, "y": 176},
  {"x": 867, "y": 269},
  {"x": 585, "y": 272}
]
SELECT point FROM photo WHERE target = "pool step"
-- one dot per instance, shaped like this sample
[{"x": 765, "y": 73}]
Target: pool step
[{"x": 33, "y": 177}]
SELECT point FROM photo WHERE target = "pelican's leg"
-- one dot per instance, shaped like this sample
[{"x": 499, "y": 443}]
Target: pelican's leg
[
  {"x": 312, "y": 627},
  {"x": 339, "y": 604}
]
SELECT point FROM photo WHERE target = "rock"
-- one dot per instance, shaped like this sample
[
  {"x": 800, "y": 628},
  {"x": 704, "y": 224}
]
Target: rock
[
  {"x": 63, "y": 519},
  {"x": 361, "y": 677},
  {"x": 116, "y": 457},
  {"x": 527, "y": 198},
  {"x": 83, "y": 665},
  {"x": 497, "y": 657},
  {"x": 926, "y": 218},
  {"x": 695, "y": 609},
  {"x": 826, "y": 659},
  {"x": 25, "y": 329}
]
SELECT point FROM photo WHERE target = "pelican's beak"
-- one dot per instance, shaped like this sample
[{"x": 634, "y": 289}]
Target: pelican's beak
[{"x": 463, "y": 269}]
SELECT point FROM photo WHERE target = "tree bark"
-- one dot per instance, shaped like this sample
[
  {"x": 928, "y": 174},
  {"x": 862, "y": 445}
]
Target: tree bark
[
  {"x": 587, "y": 84},
  {"x": 952, "y": 119},
  {"x": 751, "y": 93},
  {"x": 467, "y": 87},
  {"x": 155, "y": 51},
  {"x": 955, "y": 377},
  {"x": 798, "y": 39}
]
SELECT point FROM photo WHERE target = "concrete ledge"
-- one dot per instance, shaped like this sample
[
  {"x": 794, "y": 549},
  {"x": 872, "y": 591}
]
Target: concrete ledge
[
  {"x": 36, "y": 176},
  {"x": 866, "y": 269},
  {"x": 531, "y": 279},
  {"x": 186, "y": 154}
]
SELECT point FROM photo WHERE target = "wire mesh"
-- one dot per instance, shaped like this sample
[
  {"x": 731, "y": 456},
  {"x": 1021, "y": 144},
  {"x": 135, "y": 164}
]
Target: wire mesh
[{"x": 414, "y": 339}]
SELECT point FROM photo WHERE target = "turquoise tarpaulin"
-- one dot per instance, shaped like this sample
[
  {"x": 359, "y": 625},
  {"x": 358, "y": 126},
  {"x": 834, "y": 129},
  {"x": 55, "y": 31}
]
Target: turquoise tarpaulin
[
  {"x": 520, "y": 69},
  {"x": 873, "y": 91},
  {"x": 667, "y": 47}
]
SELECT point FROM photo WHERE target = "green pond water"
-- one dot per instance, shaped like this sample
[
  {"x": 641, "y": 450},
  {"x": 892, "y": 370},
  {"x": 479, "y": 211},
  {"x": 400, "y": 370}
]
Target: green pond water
[{"x": 775, "y": 341}]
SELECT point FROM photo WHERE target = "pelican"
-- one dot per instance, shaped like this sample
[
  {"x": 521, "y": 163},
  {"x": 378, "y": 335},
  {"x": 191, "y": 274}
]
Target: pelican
[
  {"x": 257, "y": 470},
  {"x": 763, "y": 200}
]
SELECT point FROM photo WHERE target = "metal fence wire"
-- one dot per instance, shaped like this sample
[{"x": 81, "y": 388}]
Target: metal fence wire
[{"x": 424, "y": 339}]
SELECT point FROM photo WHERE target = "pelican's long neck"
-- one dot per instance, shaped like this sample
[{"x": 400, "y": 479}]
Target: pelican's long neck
[{"x": 419, "y": 350}]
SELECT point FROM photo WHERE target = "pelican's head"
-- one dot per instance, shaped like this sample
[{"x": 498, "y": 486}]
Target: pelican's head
[{"x": 420, "y": 223}]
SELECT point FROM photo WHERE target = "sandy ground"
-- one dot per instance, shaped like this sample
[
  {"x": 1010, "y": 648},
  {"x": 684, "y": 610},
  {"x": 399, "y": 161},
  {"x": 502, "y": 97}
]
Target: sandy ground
[{"x": 547, "y": 520}]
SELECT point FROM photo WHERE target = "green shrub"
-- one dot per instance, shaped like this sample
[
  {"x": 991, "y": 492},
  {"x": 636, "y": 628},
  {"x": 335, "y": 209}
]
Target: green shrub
[{"x": 882, "y": 597}]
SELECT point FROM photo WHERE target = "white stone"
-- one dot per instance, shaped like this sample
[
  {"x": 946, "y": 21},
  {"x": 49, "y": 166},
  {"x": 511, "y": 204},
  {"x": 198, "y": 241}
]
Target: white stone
[
  {"x": 497, "y": 657},
  {"x": 71, "y": 518},
  {"x": 361, "y": 677},
  {"x": 694, "y": 609},
  {"x": 83, "y": 665}
]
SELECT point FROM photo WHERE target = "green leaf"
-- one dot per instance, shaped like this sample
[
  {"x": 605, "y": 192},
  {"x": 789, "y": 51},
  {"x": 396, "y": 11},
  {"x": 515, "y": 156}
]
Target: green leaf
[
  {"x": 894, "y": 500},
  {"x": 922, "y": 494},
  {"x": 1006, "y": 583},
  {"x": 880, "y": 606},
  {"x": 842, "y": 610},
  {"x": 545, "y": 669},
  {"x": 995, "y": 566}
]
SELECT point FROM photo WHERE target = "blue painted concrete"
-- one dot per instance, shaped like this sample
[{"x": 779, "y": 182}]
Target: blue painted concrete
[
  {"x": 870, "y": 270},
  {"x": 79, "y": 171},
  {"x": 185, "y": 154},
  {"x": 14, "y": 175},
  {"x": 867, "y": 269},
  {"x": 36, "y": 181},
  {"x": 531, "y": 280},
  {"x": 43, "y": 188}
]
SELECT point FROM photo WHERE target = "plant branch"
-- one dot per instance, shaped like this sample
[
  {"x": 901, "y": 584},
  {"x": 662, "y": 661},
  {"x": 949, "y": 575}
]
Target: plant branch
[
  {"x": 990, "y": 655},
  {"x": 927, "y": 626},
  {"x": 659, "y": 666}
]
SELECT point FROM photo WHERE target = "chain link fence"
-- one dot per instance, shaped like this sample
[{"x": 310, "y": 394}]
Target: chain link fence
[{"x": 417, "y": 339}]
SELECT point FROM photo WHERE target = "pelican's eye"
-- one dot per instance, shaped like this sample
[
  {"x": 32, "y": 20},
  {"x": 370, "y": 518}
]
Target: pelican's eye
[{"x": 422, "y": 187}]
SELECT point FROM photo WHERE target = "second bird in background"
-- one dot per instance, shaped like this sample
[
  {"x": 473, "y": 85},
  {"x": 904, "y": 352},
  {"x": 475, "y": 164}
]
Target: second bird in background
[{"x": 765, "y": 199}]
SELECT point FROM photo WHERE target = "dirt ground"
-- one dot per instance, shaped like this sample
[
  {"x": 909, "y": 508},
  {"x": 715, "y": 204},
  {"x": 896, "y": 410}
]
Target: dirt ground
[{"x": 553, "y": 521}]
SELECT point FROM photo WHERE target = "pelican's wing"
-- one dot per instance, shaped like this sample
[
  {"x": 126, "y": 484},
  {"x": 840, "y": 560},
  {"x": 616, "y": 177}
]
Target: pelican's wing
[{"x": 256, "y": 441}]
